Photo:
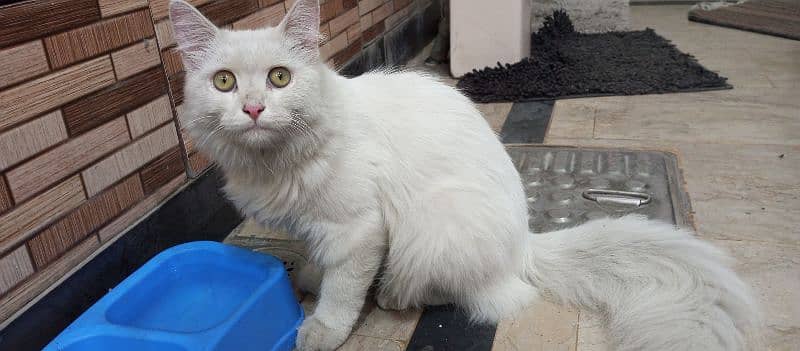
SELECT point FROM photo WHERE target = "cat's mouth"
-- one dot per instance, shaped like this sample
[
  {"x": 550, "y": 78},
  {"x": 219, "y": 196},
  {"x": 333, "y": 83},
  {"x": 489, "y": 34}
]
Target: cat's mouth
[
  {"x": 258, "y": 134},
  {"x": 251, "y": 128},
  {"x": 256, "y": 127}
]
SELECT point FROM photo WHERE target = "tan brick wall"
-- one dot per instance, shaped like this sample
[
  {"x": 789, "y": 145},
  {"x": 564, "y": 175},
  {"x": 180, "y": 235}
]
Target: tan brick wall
[
  {"x": 87, "y": 135},
  {"x": 89, "y": 141}
]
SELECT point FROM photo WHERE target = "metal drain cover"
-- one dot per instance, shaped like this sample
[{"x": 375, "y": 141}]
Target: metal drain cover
[{"x": 567, "y": 186}]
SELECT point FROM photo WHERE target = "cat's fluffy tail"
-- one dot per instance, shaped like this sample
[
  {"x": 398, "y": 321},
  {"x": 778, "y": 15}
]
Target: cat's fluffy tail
[{"x": 657, "y": 287}]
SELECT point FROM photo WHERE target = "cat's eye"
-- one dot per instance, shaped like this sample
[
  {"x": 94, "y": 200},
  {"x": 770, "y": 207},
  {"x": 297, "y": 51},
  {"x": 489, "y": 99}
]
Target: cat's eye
[
  {"x": 224, "y": 81},
  {"x": 280, "y": 77}
]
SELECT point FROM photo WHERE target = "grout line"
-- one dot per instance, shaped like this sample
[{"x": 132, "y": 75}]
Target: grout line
[
  {"x": 7, "y": 185},
  {"x": 174, "y": 111},
  {"x": 113, "y": 67},
  {"x": 705, "y": 236},
  {"x": 659, "y": 144},
  {"x": 83, "y": 185},
  {"x": 128, "y": 123},
  {"x": 27, "y": 246},
  {"x": 46, "y": 57},
  {"x": 577, "y": 329}
]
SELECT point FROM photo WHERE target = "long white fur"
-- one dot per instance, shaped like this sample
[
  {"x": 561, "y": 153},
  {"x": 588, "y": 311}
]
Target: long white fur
[{"x": 396, "y": 171}]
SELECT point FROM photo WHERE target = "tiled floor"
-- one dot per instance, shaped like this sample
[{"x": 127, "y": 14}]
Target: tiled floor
[{"x": 740, "y": 153}]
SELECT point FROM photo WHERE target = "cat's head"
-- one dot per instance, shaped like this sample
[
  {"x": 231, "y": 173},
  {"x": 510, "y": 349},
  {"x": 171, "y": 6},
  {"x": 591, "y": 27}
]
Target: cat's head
[{"x": 252, "y": 88}]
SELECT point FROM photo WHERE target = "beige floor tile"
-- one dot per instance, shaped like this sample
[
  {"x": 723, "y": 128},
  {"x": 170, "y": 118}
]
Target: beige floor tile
[
  {"x": 541, "y": 327},
  {"x": 650, "y": 14},
  {"x": 391, "y": 325},
  {"x": 495, "y": 114},
  {"x": 737, "y": 64},
  {"x": 572, "y": 118},
  {"x": 742, "y": 219},
  {"x": 672, "y": 22},
  {"x": 377, "y": 323},
  {"x": 778, "y": 60},
  {"x": 601, "y": 142},
  {"x": 781, "y": 68},
  {"x": 666, "y": 18},
  {"x": 746, "y": 78},
  {"x": 787, "y": 80},
  {"x": 592, "y": 335},
  {"x": 744, "y": 192},
  {"x": 773, "y": 270},
  {"x": 376, "y": 330},
  {"x": 721, "y": 37},
  {"x": 743, "y": 115},
  {"x": 365, "y": 343}
]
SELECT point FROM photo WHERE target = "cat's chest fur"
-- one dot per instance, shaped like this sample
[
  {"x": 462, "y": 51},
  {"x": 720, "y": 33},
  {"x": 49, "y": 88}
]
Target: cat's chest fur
[
  {"x": 298, "y": 201},
  {"x": 281, "y": 201}
]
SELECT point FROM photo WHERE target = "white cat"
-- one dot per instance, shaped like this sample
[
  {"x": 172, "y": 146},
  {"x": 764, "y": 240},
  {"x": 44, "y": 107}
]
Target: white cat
[{"x": 395, "y": 170}]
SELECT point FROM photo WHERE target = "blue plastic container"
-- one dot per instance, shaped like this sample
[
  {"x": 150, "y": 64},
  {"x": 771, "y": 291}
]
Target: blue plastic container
[{"x": 195, "y": 296}]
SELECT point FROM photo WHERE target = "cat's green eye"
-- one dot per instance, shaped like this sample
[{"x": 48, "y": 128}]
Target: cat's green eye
[
  {"x": 280, "y": 77},
  {"x": 224, "y": 81}
]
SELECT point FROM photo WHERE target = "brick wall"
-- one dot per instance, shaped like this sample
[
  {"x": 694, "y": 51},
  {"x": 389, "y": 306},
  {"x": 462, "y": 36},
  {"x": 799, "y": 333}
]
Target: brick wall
[{"x": 89, "y": 142}]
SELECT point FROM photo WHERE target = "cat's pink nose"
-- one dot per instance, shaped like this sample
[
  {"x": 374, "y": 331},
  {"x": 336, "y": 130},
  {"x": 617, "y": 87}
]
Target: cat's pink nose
[{"x": 253, "y": 110}]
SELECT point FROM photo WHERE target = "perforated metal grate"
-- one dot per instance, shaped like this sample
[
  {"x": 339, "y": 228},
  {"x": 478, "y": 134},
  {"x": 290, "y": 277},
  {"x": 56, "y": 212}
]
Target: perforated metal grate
[{"x": 567, "y": 186}]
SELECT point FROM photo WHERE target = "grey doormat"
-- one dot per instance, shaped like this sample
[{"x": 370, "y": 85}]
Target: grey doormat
[
  {"x": 567, "y": 64},
  {"x": 774, "y": 17}
]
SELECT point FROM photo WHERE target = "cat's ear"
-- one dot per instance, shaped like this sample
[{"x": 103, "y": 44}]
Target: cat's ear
[
  {"x": 193, "y": 32},
  {"x": 301, "y": 26}
]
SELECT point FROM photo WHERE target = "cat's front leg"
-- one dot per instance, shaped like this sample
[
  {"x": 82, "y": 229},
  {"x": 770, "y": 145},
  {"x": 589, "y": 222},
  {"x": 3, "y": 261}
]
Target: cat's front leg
[
  {"x": 309, "y": 279},
  {"x": 342, "y": 294}
]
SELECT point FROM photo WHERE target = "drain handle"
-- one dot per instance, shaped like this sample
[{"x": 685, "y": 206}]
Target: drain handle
[{"x": 617, "y": 197}]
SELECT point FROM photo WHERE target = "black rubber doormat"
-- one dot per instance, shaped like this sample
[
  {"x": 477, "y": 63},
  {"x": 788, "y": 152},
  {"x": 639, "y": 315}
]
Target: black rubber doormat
[
  {"x": 567, "y": 64},
  {"x": 774, "y": 17}
]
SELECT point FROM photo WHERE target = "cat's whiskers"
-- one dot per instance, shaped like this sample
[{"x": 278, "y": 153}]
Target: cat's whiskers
[
  {"x": 197, "y": 120},
  {"x": 294, "y": 129},
  {"x": 299, "y": 130},
  {"x": 301, "y": 125},
  {"x": 208, "y": 136}
]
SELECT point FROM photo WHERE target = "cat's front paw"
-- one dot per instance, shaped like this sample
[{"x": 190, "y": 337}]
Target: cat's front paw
[{"x": 314, "y": 335}]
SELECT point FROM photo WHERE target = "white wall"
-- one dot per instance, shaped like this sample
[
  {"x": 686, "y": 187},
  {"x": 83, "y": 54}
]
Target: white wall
[{"x": 483, "y": 32}]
